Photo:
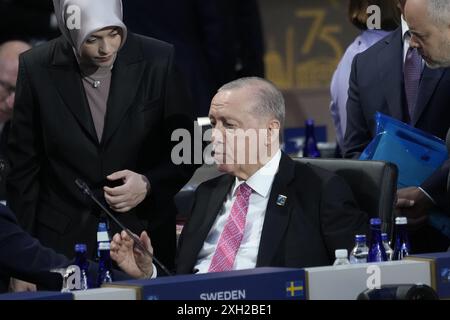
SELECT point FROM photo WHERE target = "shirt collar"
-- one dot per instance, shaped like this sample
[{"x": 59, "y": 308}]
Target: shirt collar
[
  {"x": 261, "y": 181},
  {"x": 405, "y": 29}
]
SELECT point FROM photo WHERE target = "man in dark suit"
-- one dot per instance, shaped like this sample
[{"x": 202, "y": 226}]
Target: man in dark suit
[
  {"x": 23, "y": 257},
  {"x": 380, "y": 82},
  {"x": 428, "y": 21},
  {"x": 267, "y": 210},
  {"x": 98, "y": 104}
]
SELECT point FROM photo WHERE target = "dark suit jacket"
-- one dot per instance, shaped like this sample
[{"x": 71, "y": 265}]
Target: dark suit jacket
[
  {"x": 23, "y": 257},
  {"x": 376, "y": 84},
  {"x": 320, "y": 216},
  {"x": 53, "y": 142},
  {"x": 4, "y": 165}
]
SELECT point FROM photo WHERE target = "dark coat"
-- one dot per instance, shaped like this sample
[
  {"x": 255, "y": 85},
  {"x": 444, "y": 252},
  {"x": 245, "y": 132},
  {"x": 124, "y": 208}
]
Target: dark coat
[
  {"x": 53, "y": 142},
  {"x": 319, "y": 217}
]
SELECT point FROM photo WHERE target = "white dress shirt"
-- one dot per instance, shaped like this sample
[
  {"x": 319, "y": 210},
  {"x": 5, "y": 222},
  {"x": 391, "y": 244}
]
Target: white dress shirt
[{"x": 261, "y": 184}]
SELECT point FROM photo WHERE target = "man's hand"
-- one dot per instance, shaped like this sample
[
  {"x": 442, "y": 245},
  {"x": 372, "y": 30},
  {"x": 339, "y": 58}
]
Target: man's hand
[
  {"x": 16, "y": 285},
  {"x": 130, "y": 259},
  {"x": 127, "y": 196},
  {"x": 413, "y": 204}
]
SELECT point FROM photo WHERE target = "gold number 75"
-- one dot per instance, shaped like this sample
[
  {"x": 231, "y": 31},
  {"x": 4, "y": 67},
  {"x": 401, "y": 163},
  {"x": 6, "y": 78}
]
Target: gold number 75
[{"x": 318, "y": 30}]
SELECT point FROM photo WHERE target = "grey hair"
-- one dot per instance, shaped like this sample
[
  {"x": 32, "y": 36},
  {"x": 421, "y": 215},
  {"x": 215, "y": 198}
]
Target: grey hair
[
  {"x": 271, "y": 101},
  {"x": 439, "y": 11}
]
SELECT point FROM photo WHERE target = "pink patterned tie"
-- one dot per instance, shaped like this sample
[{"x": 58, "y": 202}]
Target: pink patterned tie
[{"x": 231, "y": 237}]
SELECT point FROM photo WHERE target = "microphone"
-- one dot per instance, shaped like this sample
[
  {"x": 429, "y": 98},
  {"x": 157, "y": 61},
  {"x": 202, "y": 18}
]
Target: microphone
[{"x": 137, "y": 242}]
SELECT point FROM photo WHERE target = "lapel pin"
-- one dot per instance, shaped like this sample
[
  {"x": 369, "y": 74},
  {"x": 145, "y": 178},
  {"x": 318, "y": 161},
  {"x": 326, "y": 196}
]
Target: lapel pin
[{"x": 281, "y": 200}]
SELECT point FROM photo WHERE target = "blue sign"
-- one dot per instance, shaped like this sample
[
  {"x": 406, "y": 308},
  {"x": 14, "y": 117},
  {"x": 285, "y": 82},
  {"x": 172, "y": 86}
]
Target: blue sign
[
  {"x": 252, "y": 284},
  {"x": 441, "y": 262},
  {"x": 38, "y": 295}
]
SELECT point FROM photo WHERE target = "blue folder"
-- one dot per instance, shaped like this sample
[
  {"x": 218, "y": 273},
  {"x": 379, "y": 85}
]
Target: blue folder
[{"x": 416, "y": 153}]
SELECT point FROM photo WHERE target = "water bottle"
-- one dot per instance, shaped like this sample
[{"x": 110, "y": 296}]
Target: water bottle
[
  {"x": 341, "y": 257},
  {"x": 401, "y": 245},
  {"x": 387, "y": 247},
  {"x": 102, "y": 235},
  {"x": 360, "y": 251},
  {"x": 82, "y": 262},
  {"x": 376, "y": 248},
  {"x": 310, "y": 145},
  {"x": 104, "y": 264}
]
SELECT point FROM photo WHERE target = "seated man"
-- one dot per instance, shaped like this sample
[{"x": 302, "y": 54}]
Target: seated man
[{"x": 267, "y": 210}]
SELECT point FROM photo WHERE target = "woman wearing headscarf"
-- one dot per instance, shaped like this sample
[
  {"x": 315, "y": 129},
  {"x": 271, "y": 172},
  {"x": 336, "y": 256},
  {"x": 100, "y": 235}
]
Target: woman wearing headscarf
[{"x": 98, "y": 104}]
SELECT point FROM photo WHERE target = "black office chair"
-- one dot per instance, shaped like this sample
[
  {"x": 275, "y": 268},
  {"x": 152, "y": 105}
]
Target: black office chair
[
  {"x": 374, "y": 185},
  {"x": 184, "y": 199}
]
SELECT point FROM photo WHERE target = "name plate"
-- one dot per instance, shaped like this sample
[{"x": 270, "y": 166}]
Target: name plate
[{"x": 254, "y": 284}]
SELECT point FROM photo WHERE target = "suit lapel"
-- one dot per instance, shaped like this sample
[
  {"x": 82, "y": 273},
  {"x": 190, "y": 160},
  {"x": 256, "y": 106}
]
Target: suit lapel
[
  {"x": 428, "y": 84},
  {"x": 216, "y": 200},
  {"x": 215, "y": 203},
  {"x": 67, "y": 80},
  {"x": 277, "y": 216},
  {"x": 125, "y": 82},
  {"x": 391, "y": 73}
]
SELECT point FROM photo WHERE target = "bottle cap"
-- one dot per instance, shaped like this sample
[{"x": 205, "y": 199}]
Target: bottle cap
[
  {"x": 384, "y": 237},
  {"x": 102, "y": 226},
  {"x": 80, "y": 247},
  {"x": 360, "y": 237},
  {"x": 341, "y": 254},
  {"x": 375, "y": 221},
  {"x": 401, "y": 220}
]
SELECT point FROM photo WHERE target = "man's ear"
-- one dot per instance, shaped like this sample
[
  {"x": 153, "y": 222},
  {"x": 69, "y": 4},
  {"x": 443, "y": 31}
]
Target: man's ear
[{"x": 273, "y": 134}]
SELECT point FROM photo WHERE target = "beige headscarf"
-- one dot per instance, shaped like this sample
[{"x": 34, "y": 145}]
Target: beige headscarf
[{"x": 94, "y": 16}]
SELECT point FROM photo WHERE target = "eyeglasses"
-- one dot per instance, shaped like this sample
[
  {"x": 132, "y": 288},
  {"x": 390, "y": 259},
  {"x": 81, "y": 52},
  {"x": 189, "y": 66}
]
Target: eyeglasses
[{"x": 9, "y": 89}]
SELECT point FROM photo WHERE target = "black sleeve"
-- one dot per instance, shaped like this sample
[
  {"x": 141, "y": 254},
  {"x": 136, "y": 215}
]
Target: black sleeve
[
  {"x": 22, "y": 256},
  {"x": 357, "y": 134},
  {"x": 167, "y": 178},
  {"x": 436, "y": 186},
  {"x": 24, "y": 153},
  {"x": 340, "y": 217}
]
